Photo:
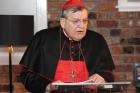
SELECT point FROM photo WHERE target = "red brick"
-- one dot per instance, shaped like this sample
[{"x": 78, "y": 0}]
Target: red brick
[
  {"x": 101, "y": 15},
  {"x": 137, "y": 32},
  {"x": 104, "y": 32},
  {"x": 127, "y": 23},
  {"x": 138, "y": 49},
  {"x": 126, "y": 15},
  {"x": 117, "y": 50},
  {"x": 117, "y": 58},
  {"x": 107, "y": 23},
  {"x": 137, "y": 23},
  {"x": 123, "y": 67},
  {"x": 131, "y": 15},
  {"x": 4, "y": 69},
  {"x": 4, "y": 79},
  {"x": 138, "y": 14},
  {"x": 131, "y": 91},
  {"x": 111, "y": 15},
  {"x": 54, "y": 6},
  {"x": 53, "y": 23},
  {"x": 129, "y": 76},
  {"x": 54, "y": 16},
  {"x": 113, "y": 40},
  {"x": 4, "y": 88},
  {"x": 91, "y": 23},
  {"x": 128, "y": 33},
  {"x": 120, "y": 76},
  {"x": 121, "y": 15},
  {"x": 130, "y": 41},
  {"x": 129, "y": 59},
  {"x": 137, "y": 58},
  {"x": 107, "y": 6},
  {"x": 106, "y": 15},
  {"x": 91, "y": 6},
  {"x": 17, "y": 69},
  {"x": 19, "y": 88},
  {"x": 128, "y": 49}
]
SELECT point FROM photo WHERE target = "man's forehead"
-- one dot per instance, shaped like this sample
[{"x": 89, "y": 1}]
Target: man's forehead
[{"x": 77, "y": 14}]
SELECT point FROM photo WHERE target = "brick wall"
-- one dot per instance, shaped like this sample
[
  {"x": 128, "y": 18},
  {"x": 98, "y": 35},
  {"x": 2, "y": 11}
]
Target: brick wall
[
  {"x": 4, "y": 80},
  {"x": 120, "y": 29}
]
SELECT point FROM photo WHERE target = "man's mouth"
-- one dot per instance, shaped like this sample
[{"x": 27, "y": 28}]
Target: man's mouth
[{"x": 80, "y": 31}]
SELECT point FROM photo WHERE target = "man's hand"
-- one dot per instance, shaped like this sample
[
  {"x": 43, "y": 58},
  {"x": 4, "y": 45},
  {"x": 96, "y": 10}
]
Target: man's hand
[
  {"x": 97, "y": 78},
  {"x": 52, "y": 87}
]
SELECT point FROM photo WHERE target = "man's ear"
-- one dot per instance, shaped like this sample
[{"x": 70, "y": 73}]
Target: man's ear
[{"x": 62, "y": 22}]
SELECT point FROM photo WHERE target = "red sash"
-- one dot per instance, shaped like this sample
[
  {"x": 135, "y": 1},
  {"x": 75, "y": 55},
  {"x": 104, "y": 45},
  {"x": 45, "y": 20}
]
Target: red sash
[
  {"x": 68, "y": 71},
  {"x": 64, "y": 72},
  {"x": 71, "y": 71}
]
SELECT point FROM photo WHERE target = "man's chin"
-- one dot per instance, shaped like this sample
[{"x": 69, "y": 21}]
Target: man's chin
[{"x": 78, "y": 38}]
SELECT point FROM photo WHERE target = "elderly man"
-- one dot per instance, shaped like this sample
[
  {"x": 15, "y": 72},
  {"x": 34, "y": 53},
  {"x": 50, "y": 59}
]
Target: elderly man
[{"x": 69, "y": 53}]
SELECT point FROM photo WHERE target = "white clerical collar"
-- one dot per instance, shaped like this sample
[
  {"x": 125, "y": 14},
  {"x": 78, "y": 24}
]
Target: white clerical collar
[{"x": 66, "y": 35}]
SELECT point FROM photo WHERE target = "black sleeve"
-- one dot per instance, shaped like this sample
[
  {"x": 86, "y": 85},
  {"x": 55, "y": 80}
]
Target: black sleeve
[
  {"x": 33, "y": 82},
  {"x": 105, "y": 64},
  {"x": 99, "y": 58},
  {"x": 108, "y": 76}
]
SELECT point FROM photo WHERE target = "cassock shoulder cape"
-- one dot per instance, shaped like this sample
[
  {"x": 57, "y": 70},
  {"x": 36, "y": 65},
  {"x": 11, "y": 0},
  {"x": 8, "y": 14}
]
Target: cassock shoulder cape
[{"x": 43, "y": 53}]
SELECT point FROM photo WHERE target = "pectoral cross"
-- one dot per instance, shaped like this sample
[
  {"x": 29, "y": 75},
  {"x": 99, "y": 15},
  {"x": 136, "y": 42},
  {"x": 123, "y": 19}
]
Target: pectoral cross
[{"x": 73, "y": 76}]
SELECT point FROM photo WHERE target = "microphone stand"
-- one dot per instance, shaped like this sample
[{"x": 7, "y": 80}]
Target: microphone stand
[{"x": 10, "y": 50}]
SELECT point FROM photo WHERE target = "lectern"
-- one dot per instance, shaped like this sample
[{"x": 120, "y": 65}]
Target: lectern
[{"x": 83, "y": 87}]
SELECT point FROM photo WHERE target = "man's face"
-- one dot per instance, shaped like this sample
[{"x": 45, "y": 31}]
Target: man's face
[{"x": 75, "y": 24}]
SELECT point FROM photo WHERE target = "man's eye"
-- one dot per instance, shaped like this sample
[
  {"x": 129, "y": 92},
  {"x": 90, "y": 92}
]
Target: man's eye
[
  {"x": 75, "y": 21},
  {"x": 85, "y": 20}
]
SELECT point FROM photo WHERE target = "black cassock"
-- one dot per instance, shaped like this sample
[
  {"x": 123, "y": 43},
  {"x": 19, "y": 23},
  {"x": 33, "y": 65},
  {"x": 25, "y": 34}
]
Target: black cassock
[{"x": 41, "y": 57}]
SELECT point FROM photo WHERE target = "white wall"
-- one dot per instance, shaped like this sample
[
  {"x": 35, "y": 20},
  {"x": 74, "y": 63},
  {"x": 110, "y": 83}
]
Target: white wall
[
  {"x": 16, "y": 57},
  {"x": 18, "y": 7},
  {"x": 38, "y": 8}
]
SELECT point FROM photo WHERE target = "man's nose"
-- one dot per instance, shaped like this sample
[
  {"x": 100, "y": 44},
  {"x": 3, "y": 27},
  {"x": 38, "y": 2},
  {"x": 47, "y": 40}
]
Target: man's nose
[{"x": 81, "y": 23}]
